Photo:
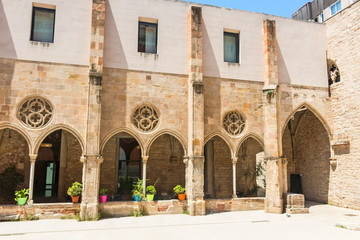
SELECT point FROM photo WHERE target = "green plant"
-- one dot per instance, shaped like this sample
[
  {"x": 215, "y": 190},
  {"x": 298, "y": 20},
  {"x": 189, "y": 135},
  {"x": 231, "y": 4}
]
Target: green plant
[
  {"x": 21, "y": 194},
  {"x": 186, "y": 212},
  {"x": 150, "y": 190},
  {"x": 77, "y": 217},
  {"x": 179, "y": 189},
  {"x": 67, "y": 217},
  {"x": 103, "y": 191},
  {"x": 75, "y": 189},
  {"x": 138, "y": 212},
  {"x": 32, "y": 217},
  {"x": 138, "y": 189}
]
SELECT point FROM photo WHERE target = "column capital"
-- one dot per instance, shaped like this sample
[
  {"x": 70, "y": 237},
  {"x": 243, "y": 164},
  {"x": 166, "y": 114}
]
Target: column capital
[
  {"x": 234, "y": 160},
  {"x": 145, "y": 159},
  {"x": 83, "y": 159},
  {"x": 33, "y": 157},
  {"x": 100, "y": 159}
]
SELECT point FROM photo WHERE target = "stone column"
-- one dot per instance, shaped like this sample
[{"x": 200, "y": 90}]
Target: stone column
[
  {"x": 33, "y": 158},
  {"x": 234, "y": 161},
  {"x": 91, "y": 182},
  {"x": 274, "y": 176},
  {"x": 144, "y": 162},
  {"x": 62, "y": 170},
  {"x": 195, "y": 164},
  {"x": 92, "y": 160}
]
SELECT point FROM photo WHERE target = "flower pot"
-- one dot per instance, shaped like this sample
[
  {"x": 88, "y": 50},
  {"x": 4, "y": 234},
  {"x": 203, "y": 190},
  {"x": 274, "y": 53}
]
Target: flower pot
[
  {"x": 150, "y": 197},
  {"x": 75, "y": 199},
  {"x": 181, "y": 196},
  {"x": 137, "y": 198},
  {"x": 103, "y": 198},
  {"x": 22, "y": 201}
]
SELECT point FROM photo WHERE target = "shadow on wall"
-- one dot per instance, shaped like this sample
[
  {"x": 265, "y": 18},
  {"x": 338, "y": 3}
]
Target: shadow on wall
[
  {"x": 284, "y": 76},
  {"x": 7, "y": 49},
  {"x": 113, "y": 47},
  {"x": 210, "y": 65}
]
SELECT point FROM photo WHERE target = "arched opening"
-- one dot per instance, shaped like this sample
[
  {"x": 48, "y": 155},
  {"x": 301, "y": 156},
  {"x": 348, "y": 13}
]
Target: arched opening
[
  {"x": 307, "y": 147},
  {"x": 165, "y": 166},
  {"x": 57, "y": 167},
  {"x": 218, "y": 181},
  {"x": 122, "y": 166},
  {"x": 250, "y": 169},
  {"x": 14, "y": 164}
]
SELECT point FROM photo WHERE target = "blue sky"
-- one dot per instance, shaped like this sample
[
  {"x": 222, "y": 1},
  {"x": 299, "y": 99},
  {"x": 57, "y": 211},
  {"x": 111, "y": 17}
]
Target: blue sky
[{"x": 274, "y": 7}]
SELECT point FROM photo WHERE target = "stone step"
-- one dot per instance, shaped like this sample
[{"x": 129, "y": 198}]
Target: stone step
[{"x": 9, "y": 217}]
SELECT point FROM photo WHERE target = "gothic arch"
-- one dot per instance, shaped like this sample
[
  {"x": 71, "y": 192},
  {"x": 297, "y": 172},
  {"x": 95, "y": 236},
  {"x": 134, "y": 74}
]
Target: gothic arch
[
  {"x": 124, "y": 130},
  {"x": 312, "y": 110},
  {"x": 247, "y": 136},
  {"x": 20, "y": 131},
  {"x": 223, "y": 137},
  {"x": 53, "y": 129},
  {"x": 173, "y": 133}
]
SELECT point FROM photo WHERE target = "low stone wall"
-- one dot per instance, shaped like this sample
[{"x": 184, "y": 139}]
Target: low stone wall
[
  {"x": 42, "y": 211},
  {"x": 235, "y": 204},
  {"x": 124, "y": 208}
]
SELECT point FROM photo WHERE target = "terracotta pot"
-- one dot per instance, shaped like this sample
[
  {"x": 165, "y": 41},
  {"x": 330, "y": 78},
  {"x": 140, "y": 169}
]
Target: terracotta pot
[
  {"x": 181, "y": 196},
  {"x": 103, "y": 198},
  {"x": 75, "y": 199}
]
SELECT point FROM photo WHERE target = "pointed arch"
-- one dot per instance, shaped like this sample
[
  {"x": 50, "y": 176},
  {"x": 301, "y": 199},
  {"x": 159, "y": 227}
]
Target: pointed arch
[
  {"x": 173, "y": 133},
  {"x": 122, "y": 130},
  {"x": 67, "y": 128},
  {"x": 223, "y": 137},
  {"x": 246, "y": 137},
  {"x": 20, "y": 131},
  {"x": 313, "y": 110}
]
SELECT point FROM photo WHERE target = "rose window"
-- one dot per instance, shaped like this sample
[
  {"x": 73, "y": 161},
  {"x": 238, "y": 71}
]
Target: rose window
[
  {"x": 35, "y": 112},
  {"x": 145, "y": 118},
  {"x": 234, "y": 123}
]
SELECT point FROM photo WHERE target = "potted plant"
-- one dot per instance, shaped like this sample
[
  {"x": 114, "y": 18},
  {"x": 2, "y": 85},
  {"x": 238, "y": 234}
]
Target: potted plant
[
  {"x": 74, "y": 191},
  {"x": 150, "y": 192},
  {"x": 180, "y": 192},
  {"x": 21, "y": 196},
  {"x": 137, "y": 191},
  {"x": 102, "y": 193}
]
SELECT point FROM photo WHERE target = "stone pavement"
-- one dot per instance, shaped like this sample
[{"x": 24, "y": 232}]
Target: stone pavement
[{"x": 319, "y": 224}]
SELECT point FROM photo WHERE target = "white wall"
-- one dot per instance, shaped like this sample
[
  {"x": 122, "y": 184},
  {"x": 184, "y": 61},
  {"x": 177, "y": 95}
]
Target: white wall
[{"x": 71, "y": 38}]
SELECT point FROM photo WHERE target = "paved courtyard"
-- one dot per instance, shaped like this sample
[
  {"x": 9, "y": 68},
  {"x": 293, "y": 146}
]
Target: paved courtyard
[{"x": 319, "y": 224}]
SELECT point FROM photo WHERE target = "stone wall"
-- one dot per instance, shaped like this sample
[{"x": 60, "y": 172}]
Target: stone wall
[
  {"x": 108, "y": 169},
  {"x": 246, "y": 167},
  {"x": 165, "y": 166},
  {"x": 14, "y": 151},
  {"x": 73, "y": 164},
  {"x": 343, "y": 48}
]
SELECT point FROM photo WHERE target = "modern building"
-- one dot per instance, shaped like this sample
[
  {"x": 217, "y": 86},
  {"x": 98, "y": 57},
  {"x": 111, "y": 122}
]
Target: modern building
[{"x": 233, "y": 105}]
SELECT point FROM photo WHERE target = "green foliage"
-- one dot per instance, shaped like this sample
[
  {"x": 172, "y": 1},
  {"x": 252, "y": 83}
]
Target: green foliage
[
  {"x": 103, "y": 191},
  {"x": 21, "y": 194},
  {"x": 75, "y": 189},
  {"x": 67, "y": 217},
  {"x": 77, "y": 217},
  {"x": 150, "y": 190},
  {"x": 32, "y": 217},
  {"x": 125, "y": 185},
  {"x": 138, "y": 212},
  {"x": 138, "y": 189},
  {"x": 179, "y": 189},
  {"x": 186, "y": 212},
  {"x": 9, "y": 180}
]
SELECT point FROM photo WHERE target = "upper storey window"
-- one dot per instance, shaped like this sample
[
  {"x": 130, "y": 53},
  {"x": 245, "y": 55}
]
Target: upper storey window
[
  {"x": 231, "y": 47},
  {"x": 147, "y": 41},
  {"x": 43, "y": 23},
  {"x": 335, "y": 8}
]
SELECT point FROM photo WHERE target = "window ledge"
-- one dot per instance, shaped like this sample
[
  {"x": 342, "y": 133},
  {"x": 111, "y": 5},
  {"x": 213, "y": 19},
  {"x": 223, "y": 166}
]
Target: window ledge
[
  {"x": 232, "y": 64},
  {"x": 155, "y": 55},
  {"x": 44, "y": 44}
]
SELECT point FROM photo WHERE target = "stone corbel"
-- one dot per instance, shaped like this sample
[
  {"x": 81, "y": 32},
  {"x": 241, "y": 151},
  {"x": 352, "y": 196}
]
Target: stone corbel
[
  {"x": 83, "y": 159},
  {"x": 186, "y": 160},
  {"x": 270, "y": 91},
  {"x": 198, "y": 87},
  {"x": 100, "y": 159},
  {"x": 333, "y": 162}
]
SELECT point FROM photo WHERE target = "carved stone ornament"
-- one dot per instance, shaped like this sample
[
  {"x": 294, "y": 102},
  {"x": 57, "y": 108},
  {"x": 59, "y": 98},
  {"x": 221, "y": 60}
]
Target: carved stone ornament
[
  {"x": 35, "y": 112},
  {"x": 145, "y": 118},
  {"x": 234, "y": 123}
]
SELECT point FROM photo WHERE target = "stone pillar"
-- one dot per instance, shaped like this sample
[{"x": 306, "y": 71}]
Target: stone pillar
[
  {"x": 195, "y": 164},
  {"x": 91, "y": 182},
  {"x": 33, "y": 158},
  {"x": 144, "y": 162},
  {"x": 274, "y": 176},
  {"x": 92, "y": 160},
  {"x": 234, "y": 161}
]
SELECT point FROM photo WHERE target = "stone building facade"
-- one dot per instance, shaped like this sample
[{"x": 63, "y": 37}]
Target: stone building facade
[{"x": 96, "y": 106}]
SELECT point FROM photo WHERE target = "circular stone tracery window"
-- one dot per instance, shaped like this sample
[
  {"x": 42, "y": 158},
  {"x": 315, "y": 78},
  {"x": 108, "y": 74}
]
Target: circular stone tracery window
[
  {"x": 234, "y": 123},
  {"x": 145, "y": 118},
  {"x": 35, "y": 112}
]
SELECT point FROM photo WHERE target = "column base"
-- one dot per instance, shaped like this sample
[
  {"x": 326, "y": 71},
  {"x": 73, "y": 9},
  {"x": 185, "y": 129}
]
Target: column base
[
  {"x": 234, "y": 196},
  {"x": 197, "y": 208},
  {"x": 274, "y": 206},
  {"x": 89, "y": 212}
]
